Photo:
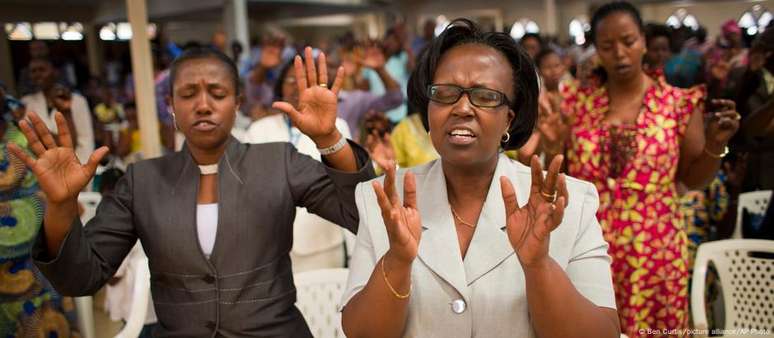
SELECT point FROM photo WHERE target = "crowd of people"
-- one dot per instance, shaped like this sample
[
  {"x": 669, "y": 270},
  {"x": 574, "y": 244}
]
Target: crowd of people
[{"x": 657, "y": 129}]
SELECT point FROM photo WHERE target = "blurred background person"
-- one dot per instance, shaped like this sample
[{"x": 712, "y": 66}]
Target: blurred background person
[
  {"x": 399, "y": 64},
  {"x": 54, "y": 96}
]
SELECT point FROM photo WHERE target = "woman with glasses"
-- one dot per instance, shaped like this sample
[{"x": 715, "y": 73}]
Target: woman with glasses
[{"x": 478, "y": 244}]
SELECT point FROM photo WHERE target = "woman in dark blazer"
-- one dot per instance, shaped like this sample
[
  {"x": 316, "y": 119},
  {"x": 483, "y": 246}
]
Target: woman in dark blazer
[{"x": 215, "y": 219}]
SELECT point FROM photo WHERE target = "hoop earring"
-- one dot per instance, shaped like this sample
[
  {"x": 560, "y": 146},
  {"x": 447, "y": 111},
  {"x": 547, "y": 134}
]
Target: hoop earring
[{"x": 506, "y": 138}]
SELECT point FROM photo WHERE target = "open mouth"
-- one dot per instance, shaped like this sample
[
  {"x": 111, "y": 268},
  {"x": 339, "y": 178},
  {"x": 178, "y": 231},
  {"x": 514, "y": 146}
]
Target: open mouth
[
  {"x": 623, "y": 68},
  {"x": 461, "y": 136},
  {"x": 204, "y": 125}
]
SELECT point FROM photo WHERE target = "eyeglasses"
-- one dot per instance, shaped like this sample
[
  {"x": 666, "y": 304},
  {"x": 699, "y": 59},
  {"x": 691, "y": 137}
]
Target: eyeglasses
[{"x": 479, "y": 97}]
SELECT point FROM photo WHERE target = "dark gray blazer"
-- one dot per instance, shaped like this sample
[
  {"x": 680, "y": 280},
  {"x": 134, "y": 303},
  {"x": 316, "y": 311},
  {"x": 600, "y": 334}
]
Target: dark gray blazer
[{"x": 246, "y": 287}]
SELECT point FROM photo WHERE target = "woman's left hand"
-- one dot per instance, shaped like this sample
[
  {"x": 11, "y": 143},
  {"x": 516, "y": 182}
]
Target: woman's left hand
[
  {"x": 723, "y": 123},
  {"x": 315, "y": 115},
  {"x": 529, "y": 227}
]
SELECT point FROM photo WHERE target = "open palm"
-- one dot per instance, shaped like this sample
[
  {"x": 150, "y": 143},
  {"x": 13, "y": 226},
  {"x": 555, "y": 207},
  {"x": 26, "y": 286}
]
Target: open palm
[
  {"x": 402, "y": 220},
  {"x": 57, "y": 169},
  {"x": 315, "y": 114},
  {"x": 529, "y": 227},
  {"x": 374, "y": 58}
]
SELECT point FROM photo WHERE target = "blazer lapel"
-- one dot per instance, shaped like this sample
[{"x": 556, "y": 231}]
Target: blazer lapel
[
  {"x": 439, "y": 247},
  {"x": 490, "y": 245},
  {"x": 229, "y": 182},
  {"x": 184, "y": 195}
]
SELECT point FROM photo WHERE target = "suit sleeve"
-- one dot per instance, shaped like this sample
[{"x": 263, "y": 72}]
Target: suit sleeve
[
  {"x": 90, "y": 255},
  {"x": 325, "y": 191},
  {"x": 589, "y": 264}
]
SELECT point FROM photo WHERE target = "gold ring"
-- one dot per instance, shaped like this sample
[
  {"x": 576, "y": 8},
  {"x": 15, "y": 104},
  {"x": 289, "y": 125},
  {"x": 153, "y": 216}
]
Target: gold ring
[
  {"x": 549, "y": 197},
  {"x": 324, "y": 85},
  {"x": 737, "y": 116}
]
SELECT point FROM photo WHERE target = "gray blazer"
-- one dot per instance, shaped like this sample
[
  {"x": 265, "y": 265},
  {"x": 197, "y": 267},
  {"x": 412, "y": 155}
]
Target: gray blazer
[{"x": 246, "y": 287}]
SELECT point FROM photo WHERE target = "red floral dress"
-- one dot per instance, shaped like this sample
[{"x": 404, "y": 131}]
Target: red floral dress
[{"x": 634, "y": 171}]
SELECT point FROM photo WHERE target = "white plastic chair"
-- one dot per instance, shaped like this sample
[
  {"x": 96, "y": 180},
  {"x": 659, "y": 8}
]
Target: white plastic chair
[
  {"x": 755, "y": 202},
  {"x": 84, "y": 306},
  {"x": 318, "y": 295},
  {"x": 140, "y": 299},
  {"x": 747, "y": 283}
]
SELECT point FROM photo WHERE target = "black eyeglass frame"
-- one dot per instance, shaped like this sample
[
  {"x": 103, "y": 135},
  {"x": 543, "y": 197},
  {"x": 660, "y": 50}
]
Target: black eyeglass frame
[{"x": 503, "y": 98}]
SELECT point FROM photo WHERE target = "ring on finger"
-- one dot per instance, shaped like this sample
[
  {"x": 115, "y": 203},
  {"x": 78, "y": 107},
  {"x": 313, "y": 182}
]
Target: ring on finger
[
  {"x": 324, "y": 85},
  {"x": 549, "y": 197},
  {"x": 737, "y": 116}
]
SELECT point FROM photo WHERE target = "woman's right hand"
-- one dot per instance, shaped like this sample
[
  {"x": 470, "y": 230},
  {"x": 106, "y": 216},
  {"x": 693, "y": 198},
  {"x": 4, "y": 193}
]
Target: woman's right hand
[
  {"x": 403, "y": 223},
  {"x": 59, "y": 173}
]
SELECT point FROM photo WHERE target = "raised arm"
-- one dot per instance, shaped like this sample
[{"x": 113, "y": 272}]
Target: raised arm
[
  {"x": 374, "y": 59},
  {"x": 315, "y": 115},
  {"x": 389, "y": 287},
  {"x": 60, "y": 175},
  {"x": 701, "y": 149},
  {"x": 556, "y": 307},
  {"x": 77, "y": 261}
]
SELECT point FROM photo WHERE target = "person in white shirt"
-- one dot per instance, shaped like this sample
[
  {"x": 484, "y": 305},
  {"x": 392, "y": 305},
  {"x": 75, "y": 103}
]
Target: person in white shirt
[
  {"x": 317, "y": 243},
  {"x": 52, "y": 97}
]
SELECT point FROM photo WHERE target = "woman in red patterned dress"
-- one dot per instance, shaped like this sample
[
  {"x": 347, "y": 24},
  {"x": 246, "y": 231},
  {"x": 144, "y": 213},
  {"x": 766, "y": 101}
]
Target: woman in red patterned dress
[{"x": 634, "y": 137}]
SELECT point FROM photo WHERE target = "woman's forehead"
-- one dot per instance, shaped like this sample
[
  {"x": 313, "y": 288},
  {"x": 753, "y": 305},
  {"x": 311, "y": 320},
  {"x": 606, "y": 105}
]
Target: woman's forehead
[
  {"x": 475, "y": 64},
  {"x": 208, "y": 68},
  {"x": 617, "y": 24}
]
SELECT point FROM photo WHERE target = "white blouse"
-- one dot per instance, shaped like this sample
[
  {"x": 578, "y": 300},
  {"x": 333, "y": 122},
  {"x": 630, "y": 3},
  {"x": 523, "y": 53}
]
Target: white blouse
[{"x": 207, "y": 226}]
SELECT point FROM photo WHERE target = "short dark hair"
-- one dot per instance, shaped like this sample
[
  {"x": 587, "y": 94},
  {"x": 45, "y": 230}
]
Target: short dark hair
[
  {"x": 611, "y": 8},
  {"x": 654, "y": 30},
  {"x": 535, "y": 36},
  {"x": 196, "y": 53},
  {"x": 544, "y": 54},
  {"x": 525, "y": 80}
]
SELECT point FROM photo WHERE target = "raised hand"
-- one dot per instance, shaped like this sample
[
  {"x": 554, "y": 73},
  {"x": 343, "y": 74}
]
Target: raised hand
[
  {"x": 552, "y": 128},
  {"x": 59, "y": 173},
  {"x": 723, "y": 123},
  {"x": 373, "y": 58},
  {"x": 403, "y": 223},
  {"x": 315, "y": 115},
  {"x": 62, "y": 98},
  {"x": 380, "y": 149},
  {"x": 529, "y": 227}
]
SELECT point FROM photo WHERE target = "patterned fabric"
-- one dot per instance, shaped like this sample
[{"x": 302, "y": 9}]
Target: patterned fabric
[
  {"x": 29, "y": 307},
  {"x": 634, "y": 168},
  {"x": 702, "y": 210}
]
